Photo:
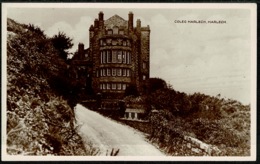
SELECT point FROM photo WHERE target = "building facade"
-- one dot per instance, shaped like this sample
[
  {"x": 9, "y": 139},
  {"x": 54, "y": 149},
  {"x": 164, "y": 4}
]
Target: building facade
[{"x": 118, "y": 56}]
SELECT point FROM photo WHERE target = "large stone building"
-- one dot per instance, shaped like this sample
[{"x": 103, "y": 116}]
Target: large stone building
[{"x": 118, "y": 56}]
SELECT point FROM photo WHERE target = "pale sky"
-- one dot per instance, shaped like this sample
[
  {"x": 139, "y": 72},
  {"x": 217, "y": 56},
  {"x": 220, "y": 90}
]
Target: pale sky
[{"x": 206, "y": 58}]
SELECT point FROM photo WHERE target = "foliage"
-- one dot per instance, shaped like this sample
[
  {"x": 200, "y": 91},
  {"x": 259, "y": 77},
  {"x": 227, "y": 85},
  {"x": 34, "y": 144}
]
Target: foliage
[
  {"x": 62, "y": 43},
  {"x": 211, "y": 119},
  {"x": 155, "y": 84},
  {"x": 36, "y": 30},
  {"x": 39, "y": 121},
  {"x": 131, "y": 90}
]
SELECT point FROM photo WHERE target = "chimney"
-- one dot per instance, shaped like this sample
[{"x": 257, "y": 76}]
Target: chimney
[
  {"x": 96, "y": 23},
  {"x": 101, "y": 16},
  {"x": 81, "y": 50},
  {"x": 138, "y": 23},
  {"x": 101, "y": 20},
  {"x": 130, "y": 21}
]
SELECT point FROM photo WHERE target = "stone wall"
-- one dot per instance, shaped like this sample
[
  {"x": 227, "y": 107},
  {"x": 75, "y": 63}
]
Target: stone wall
[{"x": 198, "y": 146}]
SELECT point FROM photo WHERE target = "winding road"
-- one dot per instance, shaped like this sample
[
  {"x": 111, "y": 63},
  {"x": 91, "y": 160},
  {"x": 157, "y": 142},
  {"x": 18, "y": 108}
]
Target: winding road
[{"x": 107, "y": 134}]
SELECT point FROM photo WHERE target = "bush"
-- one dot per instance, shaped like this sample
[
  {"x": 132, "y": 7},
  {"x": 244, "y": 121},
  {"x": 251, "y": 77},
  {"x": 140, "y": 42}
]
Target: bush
[{"x": 39, "y": 120}]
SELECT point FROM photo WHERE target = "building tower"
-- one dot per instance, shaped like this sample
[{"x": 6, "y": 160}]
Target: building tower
[{"x": 120, "y": 55}]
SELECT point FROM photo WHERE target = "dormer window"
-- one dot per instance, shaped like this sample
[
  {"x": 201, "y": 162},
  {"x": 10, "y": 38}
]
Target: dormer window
[
  {"x": 109, "y": 32},
  {"x": 121, "y": 32},
  {"x": 115, "y": 30}
]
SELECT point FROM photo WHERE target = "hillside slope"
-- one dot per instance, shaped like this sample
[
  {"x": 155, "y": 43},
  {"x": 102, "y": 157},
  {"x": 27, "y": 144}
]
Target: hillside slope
[
  {"x": 223, "y": 123},
  {"x": 39, "y": 121}
]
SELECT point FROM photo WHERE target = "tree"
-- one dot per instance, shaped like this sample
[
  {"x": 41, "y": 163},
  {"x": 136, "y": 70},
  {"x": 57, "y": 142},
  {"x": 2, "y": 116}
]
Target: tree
[
  {"x": 131, "y": 90},
  {"x": 155, "y": 84},
  {"x": 62, "y": 43}
]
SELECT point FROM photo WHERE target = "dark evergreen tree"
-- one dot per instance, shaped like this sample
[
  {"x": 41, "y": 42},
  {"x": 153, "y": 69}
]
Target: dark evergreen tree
[
  {"x": 155, "y": 84},
  {"x": 131, "y": 90},
  {"x": 62, "y": 43}
]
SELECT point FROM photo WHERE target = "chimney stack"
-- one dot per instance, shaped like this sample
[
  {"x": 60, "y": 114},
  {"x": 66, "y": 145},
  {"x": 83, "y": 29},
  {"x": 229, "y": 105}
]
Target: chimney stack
[{"x": 130, "y": 21}]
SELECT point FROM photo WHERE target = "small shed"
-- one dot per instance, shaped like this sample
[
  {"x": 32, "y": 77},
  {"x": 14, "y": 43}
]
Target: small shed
[{"x": 134, "y": 114}]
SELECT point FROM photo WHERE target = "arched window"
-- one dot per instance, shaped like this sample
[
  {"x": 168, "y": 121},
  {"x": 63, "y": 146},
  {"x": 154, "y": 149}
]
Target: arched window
[
  {"x": 124, "y": 72},
  {"x": 108, "y": 72},
  {"x": 108, "y": 85},
  {"x": 113, "y": 86}
]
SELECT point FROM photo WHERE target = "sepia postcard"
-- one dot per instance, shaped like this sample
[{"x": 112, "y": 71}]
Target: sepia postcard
[{"x": 128, "y": 82}]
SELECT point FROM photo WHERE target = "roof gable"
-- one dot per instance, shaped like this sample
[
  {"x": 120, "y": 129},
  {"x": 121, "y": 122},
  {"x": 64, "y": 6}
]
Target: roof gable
[{"x": 115, "y": 21}]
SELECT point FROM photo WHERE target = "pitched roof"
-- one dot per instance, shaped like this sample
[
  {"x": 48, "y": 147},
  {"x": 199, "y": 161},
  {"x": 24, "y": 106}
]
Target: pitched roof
[{"x": 115, "y": 21}]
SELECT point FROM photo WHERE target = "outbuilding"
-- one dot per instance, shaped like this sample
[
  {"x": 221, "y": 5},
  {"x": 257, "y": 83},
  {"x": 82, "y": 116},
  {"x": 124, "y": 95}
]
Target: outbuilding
[{"x": 134, "y": 114}]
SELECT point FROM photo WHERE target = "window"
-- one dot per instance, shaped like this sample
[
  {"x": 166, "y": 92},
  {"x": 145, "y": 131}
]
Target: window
[
  {"x": 108, "y": 86},
  {"x": 101, "y": 42},
  {"x": 128, "y": 72},
  {"x": 115, "y": 30},
  {"x": 101, "y": 72},
  {"x": 124, "y": 56},
  {"x": 91, "y": 34},
  {"x": 109, "y": 57},
  {"x": 97, "y": 73},
  {"x": 114, "y": 56},
  {"x": 128, "y": 58},
  {"x": 114, "y": 42},
  {"x": 128, "y": 43},
  {"x": 109, "y": 32},
  {"x": 113, "y": 86},
  {"x": 120, "y": 41},
  {"x": 113, "y": 72},
  {"x": 124, "y": 72},
  {"x": 101, "y": 57},
  {"x": 100, "y": 85},
  {"x": 104, "y": 56},
  {"x": 144, "y": 65},
  {"x": 109, "y": 41},
  {"x": 124, "y": 43},
  {"x": 129, "y": 61},
  {"x": 144, "y": 77},
  {"x": 119, "y": 72},
  {"x": 124, "y": 86},
  {"x": 121, "y": 32},
  {"x": 104, "y": 72},
  {"x": 119, "y": 57},
  {"x": 108, "y": 72},
  {"x": 119, "y": 86},
  {"x": 104, "y": 86}
]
